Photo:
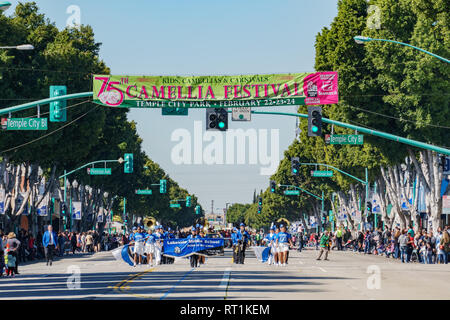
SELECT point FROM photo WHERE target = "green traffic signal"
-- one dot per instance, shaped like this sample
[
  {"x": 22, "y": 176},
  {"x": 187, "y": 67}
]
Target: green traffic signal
[
  {"x": 162, "y": 186},
  {"x": 295, "y": 166},
  {"x": 188, "y": 201},
  {"x": 314, "y": 129},
  {"x": 58, "y": 112},
  {"x": 128, "y": 165}
]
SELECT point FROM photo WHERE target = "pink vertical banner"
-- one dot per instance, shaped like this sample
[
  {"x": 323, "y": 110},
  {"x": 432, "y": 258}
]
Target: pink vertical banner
[{"x": 321, "y": 88}]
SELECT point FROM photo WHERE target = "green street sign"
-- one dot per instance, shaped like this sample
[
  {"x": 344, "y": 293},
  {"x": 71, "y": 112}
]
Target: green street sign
[
  {"x": 99, "y": 171},
  {"x": 175, "y": 205},
  {"x": 26, "y": 124},
  {"x": 144, "y": 192},
  {"x": 292, "y": 192},
  {"x": 319, "y": 173},
  {"x": 354, "y": 139}
]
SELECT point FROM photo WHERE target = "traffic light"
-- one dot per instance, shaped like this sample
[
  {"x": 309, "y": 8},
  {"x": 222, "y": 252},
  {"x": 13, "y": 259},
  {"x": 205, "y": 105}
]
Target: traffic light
[
  {"x": 273, "y": 186},
  {"x": 63, "y": 209},
  {"x": 188, "y": 201},
  {"x": 314, "y": 121},
  {"x": 369, "y": 206},
  {"x": 216, "y": 119},
  {"x": 58, "y": 112},
  {"x": 295, "y": 166},
  {"x": 198, "y": 210},
  {"x": 259, "y": 205},
  {"x": 128, "y": 166},
  {"x": 162, "y": 186}
]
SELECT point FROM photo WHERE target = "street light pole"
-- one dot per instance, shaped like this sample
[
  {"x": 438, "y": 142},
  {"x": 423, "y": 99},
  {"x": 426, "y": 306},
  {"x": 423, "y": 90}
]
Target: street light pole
[
  {"x": 362, "y": 40},
  {"x": 21, "y": 47},
  {"x": 4, "y": 5}
]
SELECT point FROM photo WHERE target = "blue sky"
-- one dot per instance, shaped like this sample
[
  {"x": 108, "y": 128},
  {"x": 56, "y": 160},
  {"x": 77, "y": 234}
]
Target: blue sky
[{"x": 203, "y": 37}]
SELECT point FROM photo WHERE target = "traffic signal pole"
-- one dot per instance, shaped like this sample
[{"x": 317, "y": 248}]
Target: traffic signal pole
[
  {"x": 69, "y": 173},
  {"x": 124, "y": 213},
  {"x": 381, "y": 134}
]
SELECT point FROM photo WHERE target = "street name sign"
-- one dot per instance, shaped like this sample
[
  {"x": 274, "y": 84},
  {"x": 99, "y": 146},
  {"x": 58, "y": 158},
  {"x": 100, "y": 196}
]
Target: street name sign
[
  {"x": 26, "y": 124},
  {"x": 144, "y": 192},
  {"x": 175, "y": 205},
  {"x": 292, "y": 192},
  {"x": 354, "y": 139},
  {"x": 99, "y": 171},
  {"x": 319, "y": 173}
]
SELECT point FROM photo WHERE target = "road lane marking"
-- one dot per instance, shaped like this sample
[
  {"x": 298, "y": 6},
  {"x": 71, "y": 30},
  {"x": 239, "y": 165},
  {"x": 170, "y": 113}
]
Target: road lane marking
[
  {"x": 122, "y": 283},
  {"x": 225, "y": 279},
  {"x": 321, "y": 269},
  {"x": 176, "y": 284}
]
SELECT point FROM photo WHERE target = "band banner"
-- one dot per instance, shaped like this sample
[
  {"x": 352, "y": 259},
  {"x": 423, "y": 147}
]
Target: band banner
[
  {"x": 317, "y": 88},
  {"x": 187, "y": 247}
]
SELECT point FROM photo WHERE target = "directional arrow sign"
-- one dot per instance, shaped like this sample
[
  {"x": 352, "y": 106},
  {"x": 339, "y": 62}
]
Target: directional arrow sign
[
  {"x": 144, "y": 192},
  {"x": 292, "y": 192},
  {"x": 99, "y": 171},
  {"x": 175, "y": 205},
  {"x": 319, "y": 173}
]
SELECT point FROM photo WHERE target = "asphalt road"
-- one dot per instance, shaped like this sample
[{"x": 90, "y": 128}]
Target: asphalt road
[{"x": 346, "y": 275}]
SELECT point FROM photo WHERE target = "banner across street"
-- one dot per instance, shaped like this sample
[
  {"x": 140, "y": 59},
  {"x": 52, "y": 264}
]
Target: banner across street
[{"x": 216, "y": 91}]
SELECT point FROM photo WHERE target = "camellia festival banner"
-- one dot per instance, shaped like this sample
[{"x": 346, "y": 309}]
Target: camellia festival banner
[{"x": 318, "y": 88}]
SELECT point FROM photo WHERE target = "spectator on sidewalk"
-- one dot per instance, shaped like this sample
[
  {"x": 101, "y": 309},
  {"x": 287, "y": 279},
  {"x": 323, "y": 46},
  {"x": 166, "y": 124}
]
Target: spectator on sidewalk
[
  {"x": 339, "y": 238},
  {"x": 2, "y": 260},
  {"x": 61, "y": 243},
  {"x": 12, "y": 247},
  {"x": 83, "y": 242},
  {"x": 73, "y": 242},
  {"x": 444, "y": 248},
  {"x": 404, "y": 244},
  {"x": 397, "y": 235},
  {"x": 10, "y": 263},
  {"x": 89, "y": 243}
]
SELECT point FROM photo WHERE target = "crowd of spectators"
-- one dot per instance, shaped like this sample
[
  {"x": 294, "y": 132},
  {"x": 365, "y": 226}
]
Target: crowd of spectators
[{"x": 405, "y": 245}]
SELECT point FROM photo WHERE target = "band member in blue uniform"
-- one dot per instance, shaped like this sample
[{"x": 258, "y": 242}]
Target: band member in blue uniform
[
  {"x": 193, "y": 259},
  {"x": 283, "y": 241},
  {"x": 139, "y": 240},
  {"x": 234, "y": 243},
  {"x": 269, "y": 240},
  {"x": 150, "y": 247},
  {"x": 243, "y": 238},
  {"x": 158, "y": 244}
]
